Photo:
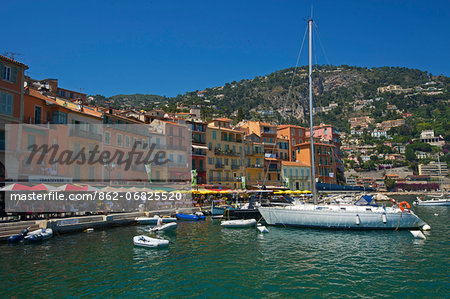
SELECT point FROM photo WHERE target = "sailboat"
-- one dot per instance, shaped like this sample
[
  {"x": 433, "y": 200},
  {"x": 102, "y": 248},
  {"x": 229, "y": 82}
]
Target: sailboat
[{"x": 339, "y": 216}]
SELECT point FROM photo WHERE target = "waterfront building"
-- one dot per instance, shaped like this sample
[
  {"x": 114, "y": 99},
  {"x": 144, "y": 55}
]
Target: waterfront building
[
  {"x": 294, "y": 134},
  {"x": 199, "y": 149},
  {"x": 297, "y": 175},
  {"x": 254, "y": 161},
  {"x": 325, "y": 162},
  {"x": 225, "y": 155}
]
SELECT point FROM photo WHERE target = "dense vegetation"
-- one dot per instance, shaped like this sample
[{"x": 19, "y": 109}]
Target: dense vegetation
[{"x": 351, "y": 90}]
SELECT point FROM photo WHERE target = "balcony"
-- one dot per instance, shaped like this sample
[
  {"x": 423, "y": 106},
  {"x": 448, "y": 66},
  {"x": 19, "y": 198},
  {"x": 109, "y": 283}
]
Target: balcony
[
  {"x": 274, "y": 169},
  {"x": 36, "y": 122},
  {"x": 222, "y": 180},
  {"x": 220, "y": 166},
  {"x": 233, "y": 166},
  {"x": 255, "y": 166},
  {"x": 85, "y": 134},
  {"x": 198, "y": 152},
  {"x": 222, "y": 152}
]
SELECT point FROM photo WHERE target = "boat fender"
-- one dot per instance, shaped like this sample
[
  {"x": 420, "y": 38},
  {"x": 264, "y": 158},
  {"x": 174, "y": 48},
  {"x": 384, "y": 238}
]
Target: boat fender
[
  {"x": 383, "y": 217},
  {"x": 426, "y": 227},
  {"x": 402, "y": 204},
  {"x": 357, "y": 220}
]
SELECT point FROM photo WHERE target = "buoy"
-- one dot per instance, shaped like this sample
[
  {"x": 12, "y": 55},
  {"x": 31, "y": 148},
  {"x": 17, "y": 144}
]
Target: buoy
[
  {"x": 417, "y": 234},
  {"x": 426, "y": 227},
  {"x": 357, "y": 221},
  {"x": 384, "y": 218},
  {"x": 89, "y": 230},
  {"x": 436, "y": 214}
]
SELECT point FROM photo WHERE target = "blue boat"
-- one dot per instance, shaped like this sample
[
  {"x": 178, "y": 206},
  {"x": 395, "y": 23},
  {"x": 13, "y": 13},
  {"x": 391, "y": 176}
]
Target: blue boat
[
  {"x": 190, "y": 217},
  {"x": 19, "y": 237}
]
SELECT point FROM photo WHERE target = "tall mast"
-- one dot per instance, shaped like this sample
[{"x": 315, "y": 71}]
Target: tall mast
[{"x": 313, "y": 166}]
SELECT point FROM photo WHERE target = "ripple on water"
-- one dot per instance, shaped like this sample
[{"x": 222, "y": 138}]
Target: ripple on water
[{"x": 204, "y": 259}]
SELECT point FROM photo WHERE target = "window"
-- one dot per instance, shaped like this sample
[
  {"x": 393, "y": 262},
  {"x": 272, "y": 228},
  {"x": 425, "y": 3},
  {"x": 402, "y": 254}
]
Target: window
[
  {"x": 7, "y": 73},
  {"x": 59, "y": 117},
  {"x": 91, "y": 173},
  {"x": 2, "y": 140},
  {"x": 37, "y": 114},
  {"x": 119, "y": 140},
  {"x": 31, "y": 140},
  {"x": 200, "y": 165},
  {"x": 210, "y": 176},
  {"x": 6, "y": 105},
  {"x": 214, "y": 135},
  {"x": 107, "y": 138},
  {"x": 127, "y": 141}
]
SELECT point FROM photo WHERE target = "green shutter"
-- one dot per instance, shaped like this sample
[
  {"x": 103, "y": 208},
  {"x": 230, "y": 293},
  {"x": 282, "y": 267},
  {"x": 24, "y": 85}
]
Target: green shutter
[
  {"x": 2, "y": 70},
  {"x": 14, "y": 75}
]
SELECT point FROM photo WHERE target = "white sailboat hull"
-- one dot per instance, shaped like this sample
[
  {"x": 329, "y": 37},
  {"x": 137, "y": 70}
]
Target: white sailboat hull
[{"x": 353, "y": 217}]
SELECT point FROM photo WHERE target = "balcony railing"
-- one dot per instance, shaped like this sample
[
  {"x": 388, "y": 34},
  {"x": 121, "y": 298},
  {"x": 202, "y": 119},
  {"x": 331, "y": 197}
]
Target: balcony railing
[
  {"x": 224, "y": 152},
  {"x": 85, "y": 134},
  {"x": 37, "y": 122},
  {"x": 233, "y": 166},
  {"x": 220, "y": 165},
  {"x": 255, "y": 166}
]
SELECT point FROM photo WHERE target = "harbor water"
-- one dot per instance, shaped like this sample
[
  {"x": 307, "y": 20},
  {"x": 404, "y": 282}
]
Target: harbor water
[{"x": 204, "y": 259}]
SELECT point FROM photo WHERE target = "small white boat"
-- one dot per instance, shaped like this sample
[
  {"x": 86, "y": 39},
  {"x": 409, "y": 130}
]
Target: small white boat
[
  {"x": 262, "y": 228},
  {"x": 239, "y": 223},
  {"x": 435, "y": 201},
  {"x": 154, "y": 220},
  {"x": 144, "y": 241},
  {"x": 164, "y": 227},
  {"x": 39, "y": 235}
]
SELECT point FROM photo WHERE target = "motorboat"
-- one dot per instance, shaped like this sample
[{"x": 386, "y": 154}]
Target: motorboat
[
  {"x": 164, "y": 227},
  {"x": 190, "y": 217},
  {"x": 19, "y": 237},
  {"x": 434, "y": 201},
  {"x": 239, "y": 223},
  {"x": 144, "y": 241},
  {"x": 219, "y": 210},
  {"x": 39, "y": 235},
  {"x": 154, "y": 220}
]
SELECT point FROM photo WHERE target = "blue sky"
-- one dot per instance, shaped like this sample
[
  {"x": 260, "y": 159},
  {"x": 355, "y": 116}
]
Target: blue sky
[{"x": 171, "y": 47}]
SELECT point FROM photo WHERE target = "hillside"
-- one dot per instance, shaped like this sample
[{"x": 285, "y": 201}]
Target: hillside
[{"x": 339, "y": 93}]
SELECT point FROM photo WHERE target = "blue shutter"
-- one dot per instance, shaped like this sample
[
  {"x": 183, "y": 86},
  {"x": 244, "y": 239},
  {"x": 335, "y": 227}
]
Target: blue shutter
[
  {"x": 9, "y": 104},
  {"x": 14, "y": 75},
  {"x": 3, "y": 102}
]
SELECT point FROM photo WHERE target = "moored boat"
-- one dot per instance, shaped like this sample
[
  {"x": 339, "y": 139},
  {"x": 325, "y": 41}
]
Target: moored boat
[
  {"x": 239, "y": 223},
  {"x": 154, "y": 220},
  {"x": 435, "y": 201},
  {"x": 144, "y": 241},
  {"x": 39, "y": 235},
  {"x": 361, "y": 215},
  {"x": 190, "y": 217},
  {"x": 164, "y": 227},
  {"x": 19, "y": 237}
]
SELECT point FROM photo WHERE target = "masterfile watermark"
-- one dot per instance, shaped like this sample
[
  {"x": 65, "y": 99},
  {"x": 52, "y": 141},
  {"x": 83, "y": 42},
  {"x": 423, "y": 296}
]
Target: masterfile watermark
[{"x": 94, "y": 156}]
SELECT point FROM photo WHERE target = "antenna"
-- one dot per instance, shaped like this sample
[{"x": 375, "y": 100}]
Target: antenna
[{"x": 11, "y": 54}]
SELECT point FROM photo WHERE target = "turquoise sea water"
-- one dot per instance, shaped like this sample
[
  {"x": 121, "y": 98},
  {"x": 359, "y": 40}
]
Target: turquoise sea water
[{"x": 206, "y": 260}]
